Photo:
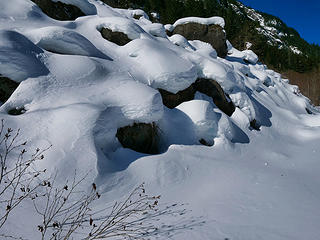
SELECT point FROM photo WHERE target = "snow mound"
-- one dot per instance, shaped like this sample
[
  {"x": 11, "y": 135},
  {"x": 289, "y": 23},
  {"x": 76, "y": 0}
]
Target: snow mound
[
  {"x": 19, "y": 57},
  {"x": 163, "y": 68},
  {"x": 204, "y": 118},
  {"x": 181, "y": 41},
  {"x": 59, "y": 40},
  {"x": 250, "y": 56}
]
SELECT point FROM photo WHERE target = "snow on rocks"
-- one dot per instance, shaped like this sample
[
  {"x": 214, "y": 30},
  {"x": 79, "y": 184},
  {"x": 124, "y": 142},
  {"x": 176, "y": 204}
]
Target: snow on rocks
[
  {"x": 250, "y": 56},
  {"x": 247, "y": 55},
  {"x": 181, "y": 41},
  {"x": 205, "y": 21},
  {"x": 123, "y": 25},
  {"x": 203, "y": 48},
  {"x": 73, "y": 96},
  {"x": 204, "y": 118},
  {"x": 162, "y": 67},
  {"x": 242, "y": 101}
]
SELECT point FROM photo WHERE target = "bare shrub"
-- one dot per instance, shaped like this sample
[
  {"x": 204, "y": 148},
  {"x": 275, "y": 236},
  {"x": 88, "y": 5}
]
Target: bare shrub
[
  {"x": 69, "y": 212},
  {"x": 19, "y": 180}
]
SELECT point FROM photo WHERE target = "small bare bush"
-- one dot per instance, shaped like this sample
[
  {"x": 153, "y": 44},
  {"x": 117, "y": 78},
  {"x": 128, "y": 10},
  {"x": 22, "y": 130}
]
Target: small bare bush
[
  {"x": 68, "y": 212},
  {"x": 19, "y": 180}
]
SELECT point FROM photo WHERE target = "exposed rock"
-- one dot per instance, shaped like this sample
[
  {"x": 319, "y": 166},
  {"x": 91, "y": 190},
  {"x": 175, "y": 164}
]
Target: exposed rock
[
  {"x": 309, "y": 111},
  {"x": 118, "y": 38},
  {"x": 206, "y": 86},
  {"x": 7, "y": 87},
  {"x": 140, "y": 137},
  {"x": 212, "y": 34},
  {"x": 205, "y": 143},
  {"x": 172, "y": 100},
  {"x": 254, "y": 125},
  {"x": 213, "y": 89},
  {"x": 17, "y": 111},
  {"x": 137, "y": 16},
  {"x": 169, "y": 34},
  {"x": 58, "y": 10}
]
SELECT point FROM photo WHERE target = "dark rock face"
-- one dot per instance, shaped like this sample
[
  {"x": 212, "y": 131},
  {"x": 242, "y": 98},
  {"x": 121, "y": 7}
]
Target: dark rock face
[
  {"x": 118, "y": 38},
  {"x": 212, "y": 34},
  {"x": 137, "y": 16},
  {"x": 17, "y": 111},
  {"x": 172, "y": 100},
  {"x": 254, "y": 125},
  {"x": 213, "y": 89},
  {"x": 7, "y": 87},
  {"x": 206, "y": 86},
  {"x": 140, "y": 137},
  {"x": 58, "y": 10}
]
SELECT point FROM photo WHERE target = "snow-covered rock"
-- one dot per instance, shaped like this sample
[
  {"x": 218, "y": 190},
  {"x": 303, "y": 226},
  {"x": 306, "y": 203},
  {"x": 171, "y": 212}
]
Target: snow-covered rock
[
  {"x": 78, "y": 90},
  {"x": 204, "y": 21}
]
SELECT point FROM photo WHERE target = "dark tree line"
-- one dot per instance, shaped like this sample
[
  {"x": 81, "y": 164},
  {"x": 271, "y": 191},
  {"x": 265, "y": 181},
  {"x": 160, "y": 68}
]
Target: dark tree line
[{"x": 240, "y": 29}]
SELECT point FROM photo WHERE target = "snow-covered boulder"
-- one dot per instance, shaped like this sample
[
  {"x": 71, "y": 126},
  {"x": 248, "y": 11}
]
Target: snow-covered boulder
[
  {"x": 204, "y": 118},
  {"x": 162, "y": 67},
  {"x": 209, "y": 30},
  {"x": 250, "y": 56},
  {"x": 120, "y": 30}
]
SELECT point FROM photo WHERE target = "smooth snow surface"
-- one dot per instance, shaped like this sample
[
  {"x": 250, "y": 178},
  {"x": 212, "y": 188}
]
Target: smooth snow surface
[{"x": 78, "y": 88}]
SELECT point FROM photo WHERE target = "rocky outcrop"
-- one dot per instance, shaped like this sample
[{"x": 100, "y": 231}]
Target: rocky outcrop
[
  {"x": 16, "y": 111},
  {"x": 137, "y": 16},
  {"x": 118, "y": 38},
  {"x": 208, "y": 87},
  {"x": 7, "y": 87},
  {"x": 213, "y": 89},
  {"x": 172, "y": 100},
  {"x": 58, "y": 10},
  {"x": 140, "y": 137},
  {"x": 212, "y": 34}
]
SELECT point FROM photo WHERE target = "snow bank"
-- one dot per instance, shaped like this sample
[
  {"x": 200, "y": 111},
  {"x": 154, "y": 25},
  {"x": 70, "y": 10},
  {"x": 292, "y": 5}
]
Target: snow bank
[
  {"x": 19, "y": 57},
  {"x": 59, "y": 40}
]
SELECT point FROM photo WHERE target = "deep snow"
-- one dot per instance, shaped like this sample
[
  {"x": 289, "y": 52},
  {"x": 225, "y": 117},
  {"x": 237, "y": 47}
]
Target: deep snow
[{"x": 78, "y": 88}]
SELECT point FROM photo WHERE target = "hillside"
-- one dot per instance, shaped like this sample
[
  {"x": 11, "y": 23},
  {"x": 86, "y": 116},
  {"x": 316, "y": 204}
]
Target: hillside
[
  {"x": 226, "y": 147},
  {"x": 276, "y": 44}
]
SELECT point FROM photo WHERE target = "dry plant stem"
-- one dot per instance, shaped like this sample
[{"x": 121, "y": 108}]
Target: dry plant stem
[
  {"x": 126, "y": 219},
  {"x": 19, "y": 180},
  {"x": 61, "y": 216}
]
